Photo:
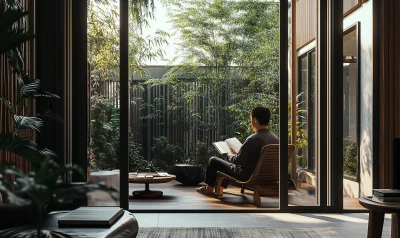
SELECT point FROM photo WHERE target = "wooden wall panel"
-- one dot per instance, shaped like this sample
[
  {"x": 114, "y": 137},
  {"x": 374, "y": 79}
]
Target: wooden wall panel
[
  {"x": 9, "y": 87},
  {"x": 53, "y": 67},
  {"x": 387, "y": 38},
  {"x": 306, "y": 21}
]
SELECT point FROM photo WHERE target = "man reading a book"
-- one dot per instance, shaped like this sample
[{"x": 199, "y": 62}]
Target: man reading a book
[{"x": 241, "y": 164}]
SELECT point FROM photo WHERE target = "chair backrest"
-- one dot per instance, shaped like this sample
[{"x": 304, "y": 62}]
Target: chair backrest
[{"x": 266, "y": 171}]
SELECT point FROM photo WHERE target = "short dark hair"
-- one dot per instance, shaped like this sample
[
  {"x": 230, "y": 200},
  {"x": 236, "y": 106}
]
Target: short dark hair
[{"x": 262, "y": 114}]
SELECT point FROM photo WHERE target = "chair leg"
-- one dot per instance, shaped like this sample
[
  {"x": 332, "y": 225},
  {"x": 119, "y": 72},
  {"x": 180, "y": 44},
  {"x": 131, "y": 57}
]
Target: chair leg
[
  {"x": 257, "y": 199},
  {"x": 242, "y": 191},
  {"x": 218, "y": 185}
]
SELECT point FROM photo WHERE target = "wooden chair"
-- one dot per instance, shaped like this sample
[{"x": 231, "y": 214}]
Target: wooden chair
[{"x": 265, "y": 174}]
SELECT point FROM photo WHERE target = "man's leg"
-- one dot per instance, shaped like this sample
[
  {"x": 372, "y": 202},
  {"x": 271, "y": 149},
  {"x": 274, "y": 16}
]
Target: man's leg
[{"x": 215, "y": 164}]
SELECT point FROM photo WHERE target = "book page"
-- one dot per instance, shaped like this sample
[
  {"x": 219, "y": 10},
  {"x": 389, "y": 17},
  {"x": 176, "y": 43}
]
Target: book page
[
  {"x": 222, "y": 147},
  {"x": 234, "y": 144}
]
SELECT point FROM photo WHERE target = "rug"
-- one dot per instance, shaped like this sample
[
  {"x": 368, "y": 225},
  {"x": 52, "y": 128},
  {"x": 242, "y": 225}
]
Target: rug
[{"x": 214, "y": 232}]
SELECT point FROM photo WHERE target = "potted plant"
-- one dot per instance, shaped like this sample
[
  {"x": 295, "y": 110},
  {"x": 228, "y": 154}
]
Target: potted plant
[{"x": 43, "y": 189}]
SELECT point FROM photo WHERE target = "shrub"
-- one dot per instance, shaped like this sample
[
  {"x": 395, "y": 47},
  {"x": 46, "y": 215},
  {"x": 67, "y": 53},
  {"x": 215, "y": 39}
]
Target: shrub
[
  {"x": 350, "y": 160},
  {"x": 104, "y": 132},
  {"x": 165, "y": 154},
  {"x": 137, "y": 163}
]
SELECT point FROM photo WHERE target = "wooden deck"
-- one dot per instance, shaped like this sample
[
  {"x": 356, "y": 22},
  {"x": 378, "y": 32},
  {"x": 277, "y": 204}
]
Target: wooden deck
[{"x": 180, "y": 197}]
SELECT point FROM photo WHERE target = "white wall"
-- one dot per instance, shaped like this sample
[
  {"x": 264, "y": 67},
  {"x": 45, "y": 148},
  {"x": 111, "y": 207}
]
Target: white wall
[
  {"x": 364, "y": 16},
  {"x": 350, "y": 189}
]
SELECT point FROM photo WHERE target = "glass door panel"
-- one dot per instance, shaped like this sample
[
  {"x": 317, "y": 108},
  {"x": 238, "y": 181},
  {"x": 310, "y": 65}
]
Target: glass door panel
[
  {"x": 353, "y": 185},
  {"x": 305, "y": 190},
  {"x": 201, "y": 67},
  {"x": 104, "y": 68},
  {"x": 303, "y": 186}
]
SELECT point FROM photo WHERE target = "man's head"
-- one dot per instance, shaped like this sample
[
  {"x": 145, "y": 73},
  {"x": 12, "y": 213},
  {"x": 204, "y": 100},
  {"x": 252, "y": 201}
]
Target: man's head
[{"x": 260, "y": 118}]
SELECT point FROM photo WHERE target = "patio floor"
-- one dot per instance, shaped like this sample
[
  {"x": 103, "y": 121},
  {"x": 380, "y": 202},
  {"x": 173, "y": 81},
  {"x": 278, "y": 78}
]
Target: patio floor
[{"x": 179, "y": 197}]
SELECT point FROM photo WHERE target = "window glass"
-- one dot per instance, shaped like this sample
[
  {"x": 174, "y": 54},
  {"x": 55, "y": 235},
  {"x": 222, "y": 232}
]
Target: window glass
[
  {"x": 349, "y": 4},
  {"x": 306, "y": 111},
  {"x": 350, "y": 81}
]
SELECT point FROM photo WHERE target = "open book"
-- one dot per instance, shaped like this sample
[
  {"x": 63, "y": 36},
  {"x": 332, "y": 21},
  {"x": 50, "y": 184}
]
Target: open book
[{"x": 230, "y": 146}]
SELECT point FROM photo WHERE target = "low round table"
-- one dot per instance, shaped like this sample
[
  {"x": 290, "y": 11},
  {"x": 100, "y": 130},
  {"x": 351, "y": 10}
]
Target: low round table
[
  {"x": 377, "y": 212},
  {"x": 147, "y": 193}
]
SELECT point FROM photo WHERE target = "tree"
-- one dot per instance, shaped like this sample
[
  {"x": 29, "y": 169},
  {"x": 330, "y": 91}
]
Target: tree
[
  {"x": 230, "y": 53},
  {"x": 103, "y": 57},
  {"x": 103, "y": 41}
]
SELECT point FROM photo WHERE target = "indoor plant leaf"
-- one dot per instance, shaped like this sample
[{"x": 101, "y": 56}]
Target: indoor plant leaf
[
  {"x": 27, "y": 149},
  {"x": 23, "y": 122},
  {"x": 33, "y": 89},
  {"x": 11, "y": 37}
]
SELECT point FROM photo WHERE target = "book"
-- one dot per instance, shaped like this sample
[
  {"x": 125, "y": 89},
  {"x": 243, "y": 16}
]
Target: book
[
  {"x": 91, "y": 217},
  {"x": 229, "y": 147},
  {"x": 386, "y": 192},
  {"x": 162, "y": 174},
  {"x": 385, "y": 199}
]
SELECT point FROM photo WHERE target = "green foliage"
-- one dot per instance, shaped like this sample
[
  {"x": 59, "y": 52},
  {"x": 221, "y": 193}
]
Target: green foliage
[
  {"x": 105, "y": 139},
  {"x": 350, "y": 159},
  {"x": 301, "y": 121},
  {"x": 27, "y": 149},
  {"x": 137, "y": 163},
  {"x": 104, "y": 45},
  {"x": 12, "y": 35},
  {"x": 165, "y": 154},
  {"x": 136, "y": 7},
  {"x": 203, "y": 154},
  {"x": 104, "y": 130},
  {"x": 44, "y": 189},
  {"x": 230, "y": 53}
]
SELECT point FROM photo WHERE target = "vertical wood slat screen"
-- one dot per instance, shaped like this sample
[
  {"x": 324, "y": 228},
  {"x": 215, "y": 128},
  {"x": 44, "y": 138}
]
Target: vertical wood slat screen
[
  {"x": 9, "y": 89},
  {"x": 388, "y": 37},
  {"x": 167, "y": 124},
  {"x": 306, "y": 21}
]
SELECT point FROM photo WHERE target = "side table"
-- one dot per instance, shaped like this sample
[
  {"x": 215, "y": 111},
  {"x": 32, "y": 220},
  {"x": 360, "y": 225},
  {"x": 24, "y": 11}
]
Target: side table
[
  {"x": 377, "y": 212},
  {"x": 187, "y": 174},
  {"x": 147, "y": 193}
]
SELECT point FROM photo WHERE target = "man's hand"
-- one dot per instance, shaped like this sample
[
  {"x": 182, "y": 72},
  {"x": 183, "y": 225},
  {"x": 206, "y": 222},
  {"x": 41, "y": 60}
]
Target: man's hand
[{"x": 225, "y": 156}]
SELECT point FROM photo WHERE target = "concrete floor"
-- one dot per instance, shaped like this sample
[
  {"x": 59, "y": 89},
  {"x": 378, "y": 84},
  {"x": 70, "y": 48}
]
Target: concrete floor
[{"x": 352, "y": 225}]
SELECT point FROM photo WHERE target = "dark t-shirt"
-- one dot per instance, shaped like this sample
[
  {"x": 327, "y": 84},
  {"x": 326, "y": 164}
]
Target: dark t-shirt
[{"x": 245, "y": 161}]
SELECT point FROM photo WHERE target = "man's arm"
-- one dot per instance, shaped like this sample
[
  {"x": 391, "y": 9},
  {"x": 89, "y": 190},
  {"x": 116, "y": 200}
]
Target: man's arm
[{"x": 245, "y": 151}]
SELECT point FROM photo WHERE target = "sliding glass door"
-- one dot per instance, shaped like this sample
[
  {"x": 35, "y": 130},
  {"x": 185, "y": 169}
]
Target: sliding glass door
[
  {"x": 104, "y": 100},
  {"x": 147, "y": 117}
]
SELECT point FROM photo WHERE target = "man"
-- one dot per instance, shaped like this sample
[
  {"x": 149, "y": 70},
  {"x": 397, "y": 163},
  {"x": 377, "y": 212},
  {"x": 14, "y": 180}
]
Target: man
[{"x": 242, "y": 164}]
